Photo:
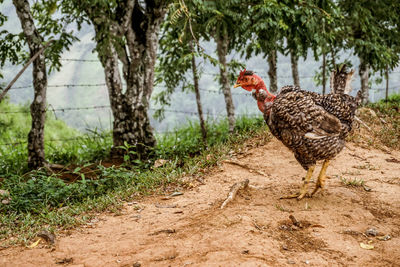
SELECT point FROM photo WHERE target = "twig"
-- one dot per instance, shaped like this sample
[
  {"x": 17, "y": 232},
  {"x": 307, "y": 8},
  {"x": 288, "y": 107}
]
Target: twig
[
  {"x": 234, "y": 189},
  {"x": 166, "y": 206},
  {"x": 166, "y": 231},
  {"x": 357, "y": 156},
  {"x": 295, "y": 221},
  {"x": 362, "y": 123},
  {"x": 245, "y": 166}
]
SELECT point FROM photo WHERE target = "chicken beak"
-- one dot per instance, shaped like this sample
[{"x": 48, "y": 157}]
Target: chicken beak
[{"x": 237, "y": 85}]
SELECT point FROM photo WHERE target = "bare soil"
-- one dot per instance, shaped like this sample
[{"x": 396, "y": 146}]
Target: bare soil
[{"x": 252, "y": 230}]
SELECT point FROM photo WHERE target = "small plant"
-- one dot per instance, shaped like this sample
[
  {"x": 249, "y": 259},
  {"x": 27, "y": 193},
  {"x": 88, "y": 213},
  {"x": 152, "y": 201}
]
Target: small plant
[
  {"x": 283, "y": 209},
  {"x": 352, "y": 173},
  {"x": 352, "y": 182},
  {"x": 130, "y": 156},
  {"x": 366, "y": 167}
]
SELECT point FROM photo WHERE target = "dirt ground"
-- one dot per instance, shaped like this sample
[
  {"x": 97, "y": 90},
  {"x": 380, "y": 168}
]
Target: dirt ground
[{"x": 254, "y": 229}]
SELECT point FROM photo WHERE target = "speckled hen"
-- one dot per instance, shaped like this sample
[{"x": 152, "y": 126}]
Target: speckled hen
[{"x": 311, "y": 125}]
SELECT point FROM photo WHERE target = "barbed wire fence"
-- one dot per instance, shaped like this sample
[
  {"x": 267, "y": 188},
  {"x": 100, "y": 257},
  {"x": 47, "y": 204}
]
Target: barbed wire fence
[{"x": 66, "y": 109}]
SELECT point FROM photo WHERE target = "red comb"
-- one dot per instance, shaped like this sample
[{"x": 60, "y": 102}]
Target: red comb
[{"x": 242, "y": 73}]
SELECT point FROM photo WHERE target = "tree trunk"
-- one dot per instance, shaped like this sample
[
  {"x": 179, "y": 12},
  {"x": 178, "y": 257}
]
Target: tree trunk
[
  {"x": 139, "y": 28},
  {"x": 197, "y": 92},
  {"x": 222, "y": 49},
  {"x": 387, "y": 84},
  {"x": 324, "y": 73},
  {"x": 333, "y": 53},
  {"x": 36, "y": 156},
  {"x": 364, "y": 72},
  {"x": 272, "y": 71},
  {"x": 294, "y": 59}
]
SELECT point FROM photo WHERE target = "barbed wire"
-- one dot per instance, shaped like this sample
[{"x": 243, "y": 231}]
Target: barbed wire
[
  {"x": 63, "y": 109},
  {"x": 62, "y": 85},
  {"x": 21, "y": 142},
  {"x": 162, "y": 87},
  {"x": 80, "y": 60}
]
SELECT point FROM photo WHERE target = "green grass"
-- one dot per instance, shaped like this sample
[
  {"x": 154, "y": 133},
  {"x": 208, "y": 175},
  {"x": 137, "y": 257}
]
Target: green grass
[
  {"x": 39, "y": 200},
  {"x": 14, "y": 128},
  {"x": 390, "y": 107}
]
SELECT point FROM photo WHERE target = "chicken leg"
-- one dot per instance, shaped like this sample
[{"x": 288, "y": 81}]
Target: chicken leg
[
  {"x": 304, "y": 188},
  {"x": 321, "y": 177}
]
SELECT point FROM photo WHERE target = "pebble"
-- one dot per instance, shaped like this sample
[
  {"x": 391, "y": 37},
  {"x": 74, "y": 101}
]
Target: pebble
[{"x": 371, "y": 232}]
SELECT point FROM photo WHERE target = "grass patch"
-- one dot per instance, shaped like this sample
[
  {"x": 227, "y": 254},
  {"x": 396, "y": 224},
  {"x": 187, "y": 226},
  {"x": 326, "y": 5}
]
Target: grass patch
[
  {"x": 39, "y": 200},
  {"x": 384, "y": 120}
]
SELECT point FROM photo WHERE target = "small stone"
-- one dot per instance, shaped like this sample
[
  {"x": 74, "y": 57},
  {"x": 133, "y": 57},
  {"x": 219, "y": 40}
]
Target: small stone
[
  {"x": 307, "y": 262},
  {"x": 371, "y": 232},
  {"x": 246, "y": 251},
  {"x": 367, "y": 188},
  {"x": 283, "y": 227},
  {"x": 284, "y": 247},
  {"x": 291, "y": 262},
  {"x": 137, "y": 264}
]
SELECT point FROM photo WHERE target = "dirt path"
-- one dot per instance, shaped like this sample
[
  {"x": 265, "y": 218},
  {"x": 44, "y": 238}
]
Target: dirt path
[{"x": 254, "y": 229}]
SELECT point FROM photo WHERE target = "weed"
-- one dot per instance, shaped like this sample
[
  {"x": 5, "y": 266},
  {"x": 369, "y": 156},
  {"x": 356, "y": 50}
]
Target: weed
[
  {"x": 283, "y": 209},
  {"x": 352, "y": 182},
  {"x": 366, "y": 167},
  {"x": 352, "y": 173}
]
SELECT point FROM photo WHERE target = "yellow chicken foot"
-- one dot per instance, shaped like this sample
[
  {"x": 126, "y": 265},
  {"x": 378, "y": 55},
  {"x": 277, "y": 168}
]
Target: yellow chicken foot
[
  {"x": 304, "y": 188},
  {"x": 321, "y": 177}
]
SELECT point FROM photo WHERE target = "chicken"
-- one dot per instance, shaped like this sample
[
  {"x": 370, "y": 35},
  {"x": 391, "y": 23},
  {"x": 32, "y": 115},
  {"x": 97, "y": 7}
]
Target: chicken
[{"x": 313, "y": 126}]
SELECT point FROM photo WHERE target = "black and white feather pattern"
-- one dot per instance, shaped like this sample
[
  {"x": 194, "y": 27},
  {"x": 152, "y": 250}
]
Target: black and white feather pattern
[{"x": 313, "y": 126}]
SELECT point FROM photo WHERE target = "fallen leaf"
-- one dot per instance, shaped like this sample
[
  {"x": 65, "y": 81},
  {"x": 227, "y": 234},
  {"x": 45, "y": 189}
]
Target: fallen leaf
[
  {"x": 47, "y": 236},
  {"x": 4, "y": 193},
  {"x": 34, "y": 244},
  {"x": 366, "y": 246},
  {"x": 159, "y": 163}
]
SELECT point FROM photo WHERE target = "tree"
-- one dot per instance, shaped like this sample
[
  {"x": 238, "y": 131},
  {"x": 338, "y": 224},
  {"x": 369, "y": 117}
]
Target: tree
[
  {"x": 126, "y": 32},
  {"x": 268, "y": 27},
  {"x": 35, "y": 29},
  {"x": 313, "y": 25},
  {"x": 371, "y": 30},
  {"x": 178, "y": 57},
  {"x": 294, "y": 59},
  {"x": 227, "y": 23}
]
